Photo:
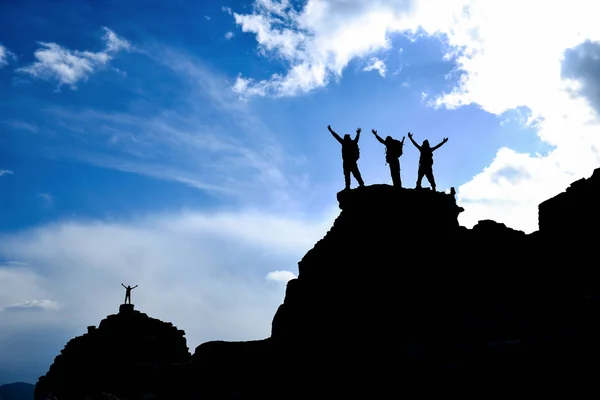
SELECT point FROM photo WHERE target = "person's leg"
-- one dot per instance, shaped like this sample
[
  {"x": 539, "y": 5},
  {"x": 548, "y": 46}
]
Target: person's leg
[
  {"x": 347, "y": 175},
  {"x": 420, "y": 177},
  {"x": 395, "y": 172},
  {"x": 430, "y": 178},
  {"x": 357, "y": 176},
  {"x": 399, "y": 177}
]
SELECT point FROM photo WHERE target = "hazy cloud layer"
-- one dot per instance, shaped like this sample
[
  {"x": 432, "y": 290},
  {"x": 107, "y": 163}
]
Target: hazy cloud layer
[{"x": 217, "y": 276}]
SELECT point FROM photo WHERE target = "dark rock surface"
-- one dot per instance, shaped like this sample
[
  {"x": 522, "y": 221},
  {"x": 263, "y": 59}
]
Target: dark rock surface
[
  {"x": 398, "y": 298},
  {"x": 395, "y": 299},
  {"x": 120, "y": 357},
  {"x": 574, "y": 212},
  {"x": 16, "y": 391}
]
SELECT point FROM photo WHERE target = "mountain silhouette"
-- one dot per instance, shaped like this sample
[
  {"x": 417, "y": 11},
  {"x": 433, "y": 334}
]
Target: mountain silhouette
[
  {"x": 17, "y": 391},
  {"x": 120, "y": 357},
  {"x": 396, "y": 298}
]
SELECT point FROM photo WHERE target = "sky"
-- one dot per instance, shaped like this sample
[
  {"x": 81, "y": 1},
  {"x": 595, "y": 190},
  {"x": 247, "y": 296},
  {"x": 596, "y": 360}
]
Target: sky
[{"x": 182, "y": 146}]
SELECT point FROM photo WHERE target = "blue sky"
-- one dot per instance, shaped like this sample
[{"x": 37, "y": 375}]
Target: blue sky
[{"x": 182, "y": 146}]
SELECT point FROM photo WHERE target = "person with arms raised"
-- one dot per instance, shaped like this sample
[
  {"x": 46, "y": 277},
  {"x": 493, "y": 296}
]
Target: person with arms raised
[
  {"x": 350, "y": 156},
  {"x": 426, "y": 160},
  {"x": 393, "y": 151}
]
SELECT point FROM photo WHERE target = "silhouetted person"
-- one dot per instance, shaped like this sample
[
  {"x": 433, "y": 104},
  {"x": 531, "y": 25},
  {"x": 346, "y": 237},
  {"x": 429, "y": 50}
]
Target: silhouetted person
[
  {"x": 426, "y": 160},
  {"x": 393, "y": 151},
  {"x": 350, "y": 156},
  {"x": 128, "y": 290}
]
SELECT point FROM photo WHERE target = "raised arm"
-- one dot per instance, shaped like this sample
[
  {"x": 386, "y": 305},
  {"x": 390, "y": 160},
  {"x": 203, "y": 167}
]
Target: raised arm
[
  {"x": 377, "y": 136},
  {"x": 335, "y": 135},
  {"x": 124, "y": 286},
  {"x": 358, "y": 130},
  {"x": 439, "y": 144},
  {"x": 134, "y": 286},
  {"x": 413, "y": 141}
]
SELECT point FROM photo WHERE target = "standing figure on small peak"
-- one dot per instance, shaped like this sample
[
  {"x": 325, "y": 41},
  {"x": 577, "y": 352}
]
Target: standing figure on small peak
[
  {"x": 128, "y": 290},
  {"x": 426, "y": 160},
  {"x": 393, "y": 151},
  {"x": 350, "y": 156}
]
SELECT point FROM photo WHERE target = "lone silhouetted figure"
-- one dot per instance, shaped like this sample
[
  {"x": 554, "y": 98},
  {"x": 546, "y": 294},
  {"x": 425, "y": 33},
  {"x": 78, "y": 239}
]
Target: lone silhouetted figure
[
  {"x": 128, "y": 290},
  {"x": 393, "y": 151},
  {"x": 350, "y": 156},
  {"x": 426, "y": 160}
]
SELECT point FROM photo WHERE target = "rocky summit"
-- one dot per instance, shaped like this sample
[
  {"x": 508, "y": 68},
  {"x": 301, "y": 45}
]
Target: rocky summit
[
  {"x": 120, "y": 357},
  {"x": 396, "y": 299}
]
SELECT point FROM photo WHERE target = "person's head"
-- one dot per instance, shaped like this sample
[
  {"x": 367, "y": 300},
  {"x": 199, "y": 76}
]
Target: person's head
[
  {"x": 347, "y": 137},
  {"x": 388, "y": 139},
  {"x": 426, "y": 143}
]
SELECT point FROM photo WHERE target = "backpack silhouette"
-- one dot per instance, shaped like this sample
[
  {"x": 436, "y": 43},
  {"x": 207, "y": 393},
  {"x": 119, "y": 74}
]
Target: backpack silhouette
[
  {"x": 352, "y": 151},
  {"x": 394, "y": 149}
]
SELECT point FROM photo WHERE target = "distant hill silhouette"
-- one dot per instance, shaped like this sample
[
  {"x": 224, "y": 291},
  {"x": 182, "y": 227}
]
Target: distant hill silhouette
[
  {"x": 396, "y": 299},
  {"x": 17, "y": 391}
]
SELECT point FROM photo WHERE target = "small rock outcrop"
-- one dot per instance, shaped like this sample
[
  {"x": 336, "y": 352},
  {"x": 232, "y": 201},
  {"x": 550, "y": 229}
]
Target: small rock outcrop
[
  {"x": 121, "y": 357},
  {"x": 573, "y": 213}
]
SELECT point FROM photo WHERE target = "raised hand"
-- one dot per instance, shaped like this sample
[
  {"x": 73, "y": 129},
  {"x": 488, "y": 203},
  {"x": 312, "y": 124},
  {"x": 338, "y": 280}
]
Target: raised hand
[
  {"x": 410, "y": 135},
  {"x": 358, "y": 130},
  {"x": 445, "y": 140},
  {"x": 329, "y": 127},
  {"x": 374, "y": 131}
]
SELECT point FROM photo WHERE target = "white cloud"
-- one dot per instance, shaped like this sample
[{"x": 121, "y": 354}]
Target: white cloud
[
  {"x": 203, "y": 272},
  {"x": 32, "y": 304},
  {"x": 317, "y": 42},
  {"x": 281, "y": 276},
  {"x": 377, "y": 65},
  {"x": 5, "y": 54},
  {"x": 69, "y": 67},
  {"x": 229, "y": 35},
  {"x": 320, "y": 40},
  {"x": 5, "y": 172},
  {"x": 504, "y": 69}
]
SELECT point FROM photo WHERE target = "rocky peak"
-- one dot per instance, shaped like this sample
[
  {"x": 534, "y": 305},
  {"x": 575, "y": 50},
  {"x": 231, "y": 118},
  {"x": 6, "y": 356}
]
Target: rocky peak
[{"x": 114, "y": 357}]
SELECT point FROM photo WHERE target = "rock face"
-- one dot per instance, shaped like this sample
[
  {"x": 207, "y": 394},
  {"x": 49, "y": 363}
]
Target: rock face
[
  {"x": 397, "y": 295},
  {"x": 120, "y": 357},
  {"x": 574, "y": 212}
]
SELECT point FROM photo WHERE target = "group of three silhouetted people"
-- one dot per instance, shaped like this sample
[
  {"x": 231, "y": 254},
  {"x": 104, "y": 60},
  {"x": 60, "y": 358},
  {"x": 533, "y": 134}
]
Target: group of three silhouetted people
[{"x": 393, "y": 151}]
